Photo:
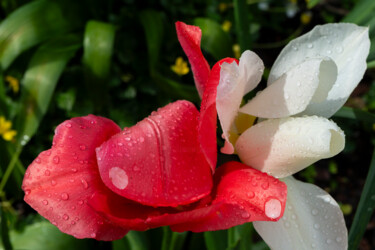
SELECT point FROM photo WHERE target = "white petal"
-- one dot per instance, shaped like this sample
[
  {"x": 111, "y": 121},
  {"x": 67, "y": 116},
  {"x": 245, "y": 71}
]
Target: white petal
[
  {"x": 293, "y": 91},
  {"x": 282, "y": 147},
  {"x": 347, "y": 44},
  {"x": 235, "y": 82},
  {"x": 312, "y": 220}
]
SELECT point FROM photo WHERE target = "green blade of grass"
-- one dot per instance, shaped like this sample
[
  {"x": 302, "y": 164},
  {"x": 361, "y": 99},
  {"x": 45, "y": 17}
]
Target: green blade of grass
[
  {"x": 216, "y": 240},
  {"x": 98, "y": 44},
  {"x": 152, "y": 23},
  {"x": 362, "y": 10},
  {"x": 30, "y": 25},
  {"x": 4, "y": 231},
  {"x": 214, "y": 39},
  {"x": 40, "y": 80},
  {"x": 357, "y": 114},
  {"x": 242, "y": 24},
  {"x": 365, "y": 208}
]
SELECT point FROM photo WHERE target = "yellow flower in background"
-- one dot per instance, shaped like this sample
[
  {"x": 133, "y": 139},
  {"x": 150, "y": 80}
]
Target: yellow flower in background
[
  {"x": 5, "y": 129},
  {"x": 13, "y": 83},
  {"x": 306, "y": 17},
  {"x": 236, "y": 50},
  {"x": 223, "y": 7},
  {"x": 180, "y": 67},
  {"x": 226, "y": 25}
]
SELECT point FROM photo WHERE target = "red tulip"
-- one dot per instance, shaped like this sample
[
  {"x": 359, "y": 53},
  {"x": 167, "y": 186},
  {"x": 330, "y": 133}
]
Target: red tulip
[{"x": 100, "y": 182}]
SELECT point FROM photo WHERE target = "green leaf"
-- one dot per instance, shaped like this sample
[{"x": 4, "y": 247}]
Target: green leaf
[
  {"x": 152, "y": 22},
  {"x": 134, "y": 240},
  {"x": 99, "y": 40},
  {"x": 356, "y": 114},
  {"x": 44, "y": 236},
  {"x": 4, "y": 232},
  {"x": 312, "y": 3},
  {"x": 365, "y": 208},
  {"x": 242, "y": 24},
  {"x": 30, "y": 25},
  {"x": 216, "y": 240},
  {"x": 175, "y": 89},
  {"x": 40, "y": 80},
  {"x": 214, "y": 39},
  {"x": 361, "y": 12}
]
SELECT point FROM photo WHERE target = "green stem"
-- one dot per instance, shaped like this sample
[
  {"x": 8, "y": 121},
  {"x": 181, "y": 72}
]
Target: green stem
[
  {"x": 365, "y": 208},
  {"x": 242, "y": 24},
  {"x": 371, "y": 64},
  {"x": 167, "y": 235},
  {"x": 231, "y": 238},
  {"x": 10, "y": 168}
]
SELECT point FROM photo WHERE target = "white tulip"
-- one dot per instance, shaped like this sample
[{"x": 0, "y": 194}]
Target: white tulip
[{"x": 311, "y": 79}]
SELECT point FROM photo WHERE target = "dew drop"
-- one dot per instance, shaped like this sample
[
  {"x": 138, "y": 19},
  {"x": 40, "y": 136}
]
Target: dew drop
[
  {"x": 265, "y": 185},
  {"x": 45, "y": 202},
  {"x": 316, "y": 226},
  {"x": 38, "y": 160},
  {"x": 47, "y": 173},
  {"x": 119, "y": 177},
  {"x": 141, "y": 139},
  {"x": 338, "y": 239},
  {"x": 251, "y": 194},
  {"x": 53, "y": 182},
  {"x": 245, "y": 215},
  {"x": 309, "y": 45},
  {"x": 82, "y": 147},
  {"x": 73, "y": 222},
  {"x": 314, "y": 212},
  {"x": 80, "y": 202},
  {"x": 84, "y": 183},
  {"x": 65, "y": 196},
  {"x": 56, "y": 159},
  {"x": 273, "y": 208},
  {"x": 93, "y": 235},
  {"x": 65, "y": 217},
  {"x": 329, "y": 241},
  {"x": 68, "y": 125}
]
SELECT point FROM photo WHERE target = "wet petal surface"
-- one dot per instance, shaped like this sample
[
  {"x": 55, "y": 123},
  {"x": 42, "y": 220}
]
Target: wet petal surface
[
  {"x": 312, "y": 220},
  {"x": 282, "y": 147},
  {"x": 159, "y": 161},
  {"x": 59, "y": 181}
]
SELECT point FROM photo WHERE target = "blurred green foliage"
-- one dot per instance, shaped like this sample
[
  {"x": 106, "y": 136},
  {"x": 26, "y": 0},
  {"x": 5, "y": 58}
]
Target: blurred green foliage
[{"x": 113, "y": 58}]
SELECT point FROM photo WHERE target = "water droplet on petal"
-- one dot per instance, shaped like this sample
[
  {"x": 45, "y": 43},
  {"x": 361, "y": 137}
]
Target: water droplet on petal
[
  {"x": 273, "y": 208},
  {"x": 85, "y": 184},
  {"x": 65, "y": 196},
  {"x": 93, "y": 235},
  {"x": 250, "y": 194},
  {"x": 314, "y": 212},
  {"x": 119, "y": 177},
  {"x": 45, "y": 202},
  {"x": 38, "y": 160},
  {"x": 65, "y": 217},
  {"x": 53, "y": 182},
  {"x": 82, "y": 147},
  {"x": 56, "y": 159},
  {"x": 245, "y": 215},
  {"x": 47, "y": 173}
]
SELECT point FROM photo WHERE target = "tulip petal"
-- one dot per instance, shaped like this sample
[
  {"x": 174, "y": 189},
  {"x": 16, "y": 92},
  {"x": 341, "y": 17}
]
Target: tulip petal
[
  {"x": 346, "y": 44},
  {"x": 292, "y": 92},
  {"x": 312, "y": 220},
  {"x": 241, "y": 194},
  {"x": 208, "y": 115},
  {"x": 59, "y": 181},
  {"x": 244, "y": 195},
  {"x": 159, "y": 161},
  {"x": 235, "y": 82},
  {"x": 189, "y": 37},
  {"x": 282, "y": 147}
]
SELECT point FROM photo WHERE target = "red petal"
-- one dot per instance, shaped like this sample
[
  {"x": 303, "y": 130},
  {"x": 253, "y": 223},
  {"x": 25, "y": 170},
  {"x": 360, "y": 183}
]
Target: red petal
[
  {"x": 158, "y": 162},
  {"x": 240, "y": 195},
  {"x": 59, "y": 181},
  {"x": 190, "y": 40},
  {"x": 208, "y": 114},
  {"x": 243, "y": 194}
]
